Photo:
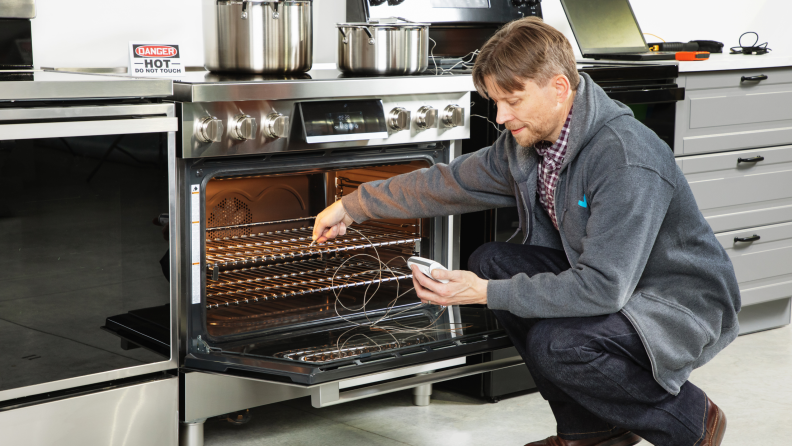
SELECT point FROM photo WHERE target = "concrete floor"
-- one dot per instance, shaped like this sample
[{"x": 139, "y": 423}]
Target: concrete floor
[{"x": 750, "y": 381}]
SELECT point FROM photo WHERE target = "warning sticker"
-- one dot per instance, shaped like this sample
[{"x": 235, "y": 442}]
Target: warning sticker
[{"x": 155, "y": 60}]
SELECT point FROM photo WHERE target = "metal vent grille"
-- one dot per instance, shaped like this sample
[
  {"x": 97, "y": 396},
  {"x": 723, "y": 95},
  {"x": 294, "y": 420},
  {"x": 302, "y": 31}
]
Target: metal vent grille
[{"x": 230, "y": 212}]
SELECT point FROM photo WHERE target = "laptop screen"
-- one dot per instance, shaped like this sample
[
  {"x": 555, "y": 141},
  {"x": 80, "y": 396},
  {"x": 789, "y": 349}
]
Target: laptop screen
[{"x": 604, "y": 26}]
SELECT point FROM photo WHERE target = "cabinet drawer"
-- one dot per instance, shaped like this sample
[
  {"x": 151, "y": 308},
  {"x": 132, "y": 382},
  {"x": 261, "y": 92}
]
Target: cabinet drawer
[
  {"x": 733, "y": 78},
  {"x": 726, "y": 108},
  {"x": 763, "y": 267},
  {"x": 734, "y": 195},
  {"x": 721, "y": 113}
]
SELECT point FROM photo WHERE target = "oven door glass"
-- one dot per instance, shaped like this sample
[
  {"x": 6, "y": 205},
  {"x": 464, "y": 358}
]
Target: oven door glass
[{"x": 79, "y": 244}]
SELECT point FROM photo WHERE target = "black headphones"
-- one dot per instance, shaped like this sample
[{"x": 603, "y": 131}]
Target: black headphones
[{"x": 753, "y": 49}]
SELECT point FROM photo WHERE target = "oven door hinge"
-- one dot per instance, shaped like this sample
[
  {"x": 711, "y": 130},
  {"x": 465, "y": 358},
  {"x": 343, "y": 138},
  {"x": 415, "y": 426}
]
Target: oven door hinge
[{"x": 203, "y": 347}]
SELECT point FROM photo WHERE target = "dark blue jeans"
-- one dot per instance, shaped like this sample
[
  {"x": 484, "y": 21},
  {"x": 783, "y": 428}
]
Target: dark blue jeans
[{"x": 594, "y": 371}]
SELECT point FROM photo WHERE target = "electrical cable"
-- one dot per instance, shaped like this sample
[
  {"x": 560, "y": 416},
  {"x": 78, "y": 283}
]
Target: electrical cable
[
  {"x": 653, "y": 35},
  {"x": 468, "y": 64},
  {"x": 378, "y": 325},
  {"x": 759, "y": 49}
]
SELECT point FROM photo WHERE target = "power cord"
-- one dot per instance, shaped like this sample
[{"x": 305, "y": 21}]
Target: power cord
[{"x": 759, "y": 49}]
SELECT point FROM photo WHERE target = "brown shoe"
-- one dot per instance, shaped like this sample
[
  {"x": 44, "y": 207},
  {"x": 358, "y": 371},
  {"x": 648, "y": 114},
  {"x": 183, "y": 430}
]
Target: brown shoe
[
  {"x": 716, "y": 425},
  {"x": 620, "y": 437}
]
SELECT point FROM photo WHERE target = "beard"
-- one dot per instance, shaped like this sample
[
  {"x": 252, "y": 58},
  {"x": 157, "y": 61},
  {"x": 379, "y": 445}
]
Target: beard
[{"x": 533, "y": 132}]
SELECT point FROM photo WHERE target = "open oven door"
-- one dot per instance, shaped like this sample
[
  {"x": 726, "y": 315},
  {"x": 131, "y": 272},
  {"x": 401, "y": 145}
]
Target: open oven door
[{"x": 307, "y": 315}]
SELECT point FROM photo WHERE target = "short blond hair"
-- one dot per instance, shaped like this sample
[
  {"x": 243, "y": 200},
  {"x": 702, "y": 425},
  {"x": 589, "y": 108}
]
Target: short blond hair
[{"x": 525, "y": 49}]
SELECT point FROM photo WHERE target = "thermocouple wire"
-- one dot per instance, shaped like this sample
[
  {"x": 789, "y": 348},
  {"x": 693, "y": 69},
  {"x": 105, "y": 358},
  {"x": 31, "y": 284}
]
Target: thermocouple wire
[{"x": 374, "y": 325}]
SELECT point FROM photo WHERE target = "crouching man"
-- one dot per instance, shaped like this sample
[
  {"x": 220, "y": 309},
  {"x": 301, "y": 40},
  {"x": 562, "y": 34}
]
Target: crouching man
[{"x": 619, "y": 289}]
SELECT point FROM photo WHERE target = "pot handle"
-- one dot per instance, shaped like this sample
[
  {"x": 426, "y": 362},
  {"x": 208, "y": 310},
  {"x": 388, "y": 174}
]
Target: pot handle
[
  {"x": 244, "y": 11},
  {"x": 365, "y": 28},
  {"x": 275, "y": 13}
]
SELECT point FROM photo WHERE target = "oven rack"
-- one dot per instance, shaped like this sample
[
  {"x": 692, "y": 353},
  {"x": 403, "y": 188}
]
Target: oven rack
[
  {"x": 296, "y": 243},
  {"x": 327, "y": 353},
  {"x": 258, "y": 284}
]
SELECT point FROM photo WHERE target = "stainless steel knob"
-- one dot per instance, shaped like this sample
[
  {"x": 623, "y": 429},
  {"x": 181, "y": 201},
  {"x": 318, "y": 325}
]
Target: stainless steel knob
[
  {"x": 243, "y": 127},
  {"x": 399, "y": 119},
  {"x": 453, "y": 116},
  {"x": 275, "y": 125},
  {"x": 426, "y": 117},
  {"x": 210, "y": 129}
]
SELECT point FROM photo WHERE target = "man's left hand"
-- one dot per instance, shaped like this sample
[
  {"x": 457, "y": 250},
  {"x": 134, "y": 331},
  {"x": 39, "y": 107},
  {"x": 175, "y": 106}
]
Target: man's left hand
[{"x": 463, "y": 287}]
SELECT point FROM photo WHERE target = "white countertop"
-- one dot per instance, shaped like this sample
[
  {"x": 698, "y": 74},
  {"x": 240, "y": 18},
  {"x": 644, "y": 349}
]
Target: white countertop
[
  {"x": 725, "y": 61},
  {"x": 716, "y": 62}
]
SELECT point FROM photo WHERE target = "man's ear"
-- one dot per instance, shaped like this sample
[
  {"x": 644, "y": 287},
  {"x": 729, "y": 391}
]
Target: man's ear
[{"x": 563, "y": 88}]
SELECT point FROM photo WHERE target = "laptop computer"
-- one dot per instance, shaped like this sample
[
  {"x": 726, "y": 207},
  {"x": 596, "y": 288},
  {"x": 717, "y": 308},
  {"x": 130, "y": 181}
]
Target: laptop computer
[{"x": 607, "y": 29}]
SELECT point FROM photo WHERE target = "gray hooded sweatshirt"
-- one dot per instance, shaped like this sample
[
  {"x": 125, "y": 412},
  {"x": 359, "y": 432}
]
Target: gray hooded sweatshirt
[{"x": 628, "y": 223}]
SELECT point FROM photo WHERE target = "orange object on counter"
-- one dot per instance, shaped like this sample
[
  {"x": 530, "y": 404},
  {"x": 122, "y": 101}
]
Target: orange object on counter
[{"x": 692, "y": 55}]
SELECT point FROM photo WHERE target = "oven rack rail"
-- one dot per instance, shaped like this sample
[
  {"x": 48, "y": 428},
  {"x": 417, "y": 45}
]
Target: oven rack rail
[
  {"x": 296, "y": 243},
  {"x": 259, "y": 284}
]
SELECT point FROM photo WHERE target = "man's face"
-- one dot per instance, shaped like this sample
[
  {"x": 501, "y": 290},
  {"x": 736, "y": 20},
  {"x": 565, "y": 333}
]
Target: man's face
[{"x": 532, "y": 115}]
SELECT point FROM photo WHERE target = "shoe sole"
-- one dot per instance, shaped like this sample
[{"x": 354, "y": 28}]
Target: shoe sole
[{"x": 628, "y": 439}]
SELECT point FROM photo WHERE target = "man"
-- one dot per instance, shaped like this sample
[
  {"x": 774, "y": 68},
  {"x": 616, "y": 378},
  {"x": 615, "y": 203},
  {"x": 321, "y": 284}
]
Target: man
[{"x": 619, "y": 289}]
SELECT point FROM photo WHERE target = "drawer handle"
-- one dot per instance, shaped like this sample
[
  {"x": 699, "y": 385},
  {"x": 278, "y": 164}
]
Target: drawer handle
[
  {"x": 752, "y": 238},
  {"x": 761, "y": 77},
  {"x": 755, "y": 159}
]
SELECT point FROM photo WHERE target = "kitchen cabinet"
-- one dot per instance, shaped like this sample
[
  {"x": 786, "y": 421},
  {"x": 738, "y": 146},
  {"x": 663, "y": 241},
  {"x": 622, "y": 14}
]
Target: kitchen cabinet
[{"x": 733, "y": 142}]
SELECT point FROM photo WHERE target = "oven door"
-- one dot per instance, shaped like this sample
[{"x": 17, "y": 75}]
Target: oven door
[
  {"x": 654, "y": 106},
  {"x": 316, "y": 336}
]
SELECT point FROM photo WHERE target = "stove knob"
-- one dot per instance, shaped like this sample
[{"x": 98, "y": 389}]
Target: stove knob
[
  {"x": 426, "y": 118},
  {"x": 243, "y": 127},
  {"x": 210, "y": 129},
  {"x": 276, "y": 126},
  {"x": 399, "y": 119},
  {"x": 453, "y": 116}
]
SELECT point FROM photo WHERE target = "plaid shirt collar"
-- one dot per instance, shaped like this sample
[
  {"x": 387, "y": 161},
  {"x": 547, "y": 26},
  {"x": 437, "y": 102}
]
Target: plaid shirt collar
[
  {"x": 553, "y": 154},
  {"x": 552, "y": 158}
]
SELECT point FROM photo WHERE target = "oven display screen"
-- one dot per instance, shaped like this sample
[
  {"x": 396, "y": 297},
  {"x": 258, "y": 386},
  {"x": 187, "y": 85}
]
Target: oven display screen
[
  {"x": 346, "y": 121},
  {"x": 335, "y": 121}
]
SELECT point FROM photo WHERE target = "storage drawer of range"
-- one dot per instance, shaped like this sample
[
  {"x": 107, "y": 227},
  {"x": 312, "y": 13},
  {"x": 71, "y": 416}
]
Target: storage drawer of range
[
  {"x": 742, "y": 189},
  {"x": 762, "y": 259},
  {"x": 736, "y": 110}
]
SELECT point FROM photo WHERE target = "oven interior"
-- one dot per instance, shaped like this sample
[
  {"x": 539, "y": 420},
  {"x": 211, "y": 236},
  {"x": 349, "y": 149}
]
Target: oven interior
[{"x": 270, "y": 292}]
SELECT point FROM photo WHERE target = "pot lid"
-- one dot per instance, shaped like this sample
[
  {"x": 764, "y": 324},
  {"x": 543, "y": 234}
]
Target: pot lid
[{"x": 389, "y": 22}]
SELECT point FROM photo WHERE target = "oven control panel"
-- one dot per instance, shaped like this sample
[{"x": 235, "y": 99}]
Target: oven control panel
[{"x": 215, "y": 129}]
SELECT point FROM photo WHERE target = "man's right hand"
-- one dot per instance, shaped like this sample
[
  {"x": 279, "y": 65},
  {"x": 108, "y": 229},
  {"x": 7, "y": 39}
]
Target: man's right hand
[{"x": 331, "y": 223}]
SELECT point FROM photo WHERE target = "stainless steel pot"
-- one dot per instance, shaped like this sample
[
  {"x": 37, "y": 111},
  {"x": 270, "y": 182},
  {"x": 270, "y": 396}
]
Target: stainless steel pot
[
  {"x": 258, "y": 36},
  {"x": 389, "y": 46}
]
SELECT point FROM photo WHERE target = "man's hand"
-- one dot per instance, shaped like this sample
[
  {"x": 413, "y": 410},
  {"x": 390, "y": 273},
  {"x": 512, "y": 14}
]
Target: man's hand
[
  {"x": 464, "y": 287},
  {"x": 331, "y": 223}
]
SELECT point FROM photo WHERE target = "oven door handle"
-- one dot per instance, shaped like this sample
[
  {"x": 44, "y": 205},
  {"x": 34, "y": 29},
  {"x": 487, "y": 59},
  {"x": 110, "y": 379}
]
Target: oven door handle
[
  {"x": 65, "y": 129},
  {"x": 86, "y": 120},
  {"x": 648, "y": 96},
  {"x": 330, "y": 394}
]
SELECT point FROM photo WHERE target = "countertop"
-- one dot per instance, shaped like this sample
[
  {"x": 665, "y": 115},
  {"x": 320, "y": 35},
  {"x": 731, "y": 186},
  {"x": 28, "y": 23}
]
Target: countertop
[
  {"x": 725, "y": 61},
  {"x": 716, "y": 62},
  {"x": 34, "y": 85}
]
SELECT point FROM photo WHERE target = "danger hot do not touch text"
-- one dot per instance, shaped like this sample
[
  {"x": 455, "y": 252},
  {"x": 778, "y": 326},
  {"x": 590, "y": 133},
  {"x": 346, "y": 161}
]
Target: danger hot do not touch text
[{"x": 155, "y": 59}]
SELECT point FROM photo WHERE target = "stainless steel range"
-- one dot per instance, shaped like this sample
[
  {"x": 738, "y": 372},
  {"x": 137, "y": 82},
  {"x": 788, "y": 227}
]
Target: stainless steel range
[{"x": 266, "y": 309}]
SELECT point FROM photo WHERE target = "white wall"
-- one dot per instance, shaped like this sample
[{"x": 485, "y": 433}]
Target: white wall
[{"x": 94, "y": 33}]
